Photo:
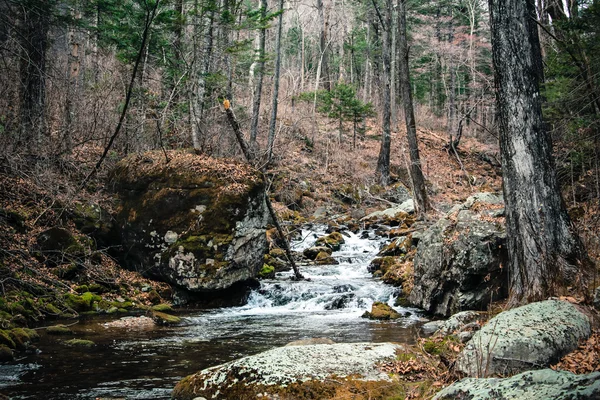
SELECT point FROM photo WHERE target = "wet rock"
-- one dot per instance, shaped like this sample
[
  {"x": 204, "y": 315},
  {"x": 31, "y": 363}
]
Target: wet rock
[
  {"x": 597, "y": 298},
  {"x": 458, "y": 262},
  {"x": 431, "y": 327},
  {"x": 58, "y": 330},
  {"x": 161, "y": 318},
  {"x": 312, "y": 252},
  {"x": 334, "y": 241},
  {"x": 381, "y": 311},
  {"x": 531, "y": 385},
  {"x": 79, "y": 343},
  {"x": 324, "y": 258},
  {"x": 528, "y": 337},
  {"x": 195, "y": 222},
  {"x": 398, "y": 246},
  {"x": 276, "y": 369}
]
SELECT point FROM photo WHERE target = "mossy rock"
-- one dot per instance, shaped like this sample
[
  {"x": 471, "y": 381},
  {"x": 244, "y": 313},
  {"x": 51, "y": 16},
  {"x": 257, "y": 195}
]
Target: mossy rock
[
  {"x": 79, "y": 343},
  {"x": 6, "y": 340},
  {"x": 267, "y": 272},
  {"x": 23, "y": 337},
  {"x": 381, "y": 311},
  {"x": 382, "y": 264},
  {"x": 334, "y": 241},
  {"x": 83, "y": 302},
  {"x": 6, "y": 354},
  {"x": 312, "y": 252},
  {"x": 162, "y": 307},
  {"x": 324, "y": 258},
  {"x": 161, "y": 318},
  {"x": 277, "y": 252},
  {"x": 58, "y": 330},
  {"x": 398, "y": 246}
]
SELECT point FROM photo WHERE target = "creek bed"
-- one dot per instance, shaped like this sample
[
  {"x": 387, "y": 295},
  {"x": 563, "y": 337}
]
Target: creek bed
[{"x": 147, "y": 362}]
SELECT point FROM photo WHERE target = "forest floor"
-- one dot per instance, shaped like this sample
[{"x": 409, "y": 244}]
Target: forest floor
[{"x": 316, "y": 175}]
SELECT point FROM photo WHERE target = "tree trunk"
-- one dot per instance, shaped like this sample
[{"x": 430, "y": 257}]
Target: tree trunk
[
  {"x": 273, "y": 122},
  {"x": 34, "y": 43},
  {"x": 324, "y": 22},
  {"x": 545, "y": 254},
  {"x": 259, "y": 65},
  {"x": 383, "y": 162},
  {"x": 416, "y": 172}
]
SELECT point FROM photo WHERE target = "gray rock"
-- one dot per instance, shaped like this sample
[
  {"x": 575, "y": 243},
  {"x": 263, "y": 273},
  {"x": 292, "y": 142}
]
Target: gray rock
[
  {"x": 195, "y": 222},
  {"x": 307, "y": 342},
  {"x": 407, "y": 207},
  {"x": 465, "y": 336},
  {"x": 458, "y": 321},
  {"x": 543, "y": 384},
  {"x": 455, "y": 323},
  {"x": 597, "y": 298},
  {"x": 431, "y": 327},
  {"x": 312, "y": 252},
  {"x": 528, "y": 337},
  {"x": 287, "y": 365},
  {"x": 458, "y": 261}
]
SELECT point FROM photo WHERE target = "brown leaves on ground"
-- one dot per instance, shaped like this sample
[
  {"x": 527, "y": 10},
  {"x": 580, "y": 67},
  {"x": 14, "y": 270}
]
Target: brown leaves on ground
[{"x": 585, "y": 359}]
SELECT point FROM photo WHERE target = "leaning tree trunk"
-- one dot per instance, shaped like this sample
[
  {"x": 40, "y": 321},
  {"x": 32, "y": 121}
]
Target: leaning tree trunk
[
  {"x": 545, "y": 254},
  {"x": 273, "y": 122},
  {"x": 416, "y": 173}
]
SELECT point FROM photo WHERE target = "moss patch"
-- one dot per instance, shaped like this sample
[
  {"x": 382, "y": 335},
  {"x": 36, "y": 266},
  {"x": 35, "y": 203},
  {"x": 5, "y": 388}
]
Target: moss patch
[
  {"x": 79, "y": 343},
  {"x": 267, "y": 271},
  {"x": 381, "y": 311},
  {"x": 58, "y": 330},
  {"x": 161, "y": 318}
]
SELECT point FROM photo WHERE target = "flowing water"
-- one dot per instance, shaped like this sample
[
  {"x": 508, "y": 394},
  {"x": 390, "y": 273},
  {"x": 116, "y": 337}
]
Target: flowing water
[{"x": 147, "y": 363}]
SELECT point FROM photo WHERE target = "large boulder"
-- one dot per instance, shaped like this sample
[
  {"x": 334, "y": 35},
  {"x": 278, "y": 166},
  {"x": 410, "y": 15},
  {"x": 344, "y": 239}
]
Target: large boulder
[
  {"x": 458, "y": 265},
  {"x": 289, "y": 369},
  {"x": 531, "y": 385},
  {"x": 196, "y": 222},
  {"x": 529, "y": 337}
]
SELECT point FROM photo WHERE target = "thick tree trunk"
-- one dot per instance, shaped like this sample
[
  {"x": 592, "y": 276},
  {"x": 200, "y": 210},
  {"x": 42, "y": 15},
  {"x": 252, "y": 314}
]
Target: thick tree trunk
[
  {"x": 545, "y": 254},
  {"x": 383, "y": 162},
  {"x": 416, "y": 172},
  {"x": 324, "y": 23}
]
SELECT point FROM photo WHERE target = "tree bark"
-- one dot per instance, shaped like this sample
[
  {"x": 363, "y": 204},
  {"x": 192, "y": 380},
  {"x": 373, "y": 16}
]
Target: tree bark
[
  {"x": 259, "y": 61},
  {"x": 273, "y": 122},
  {"x": 383, "y": 161},
  {"x": 416, "y": 172},
  {"x": 545, "y": 254},
  {"x": 324, "y": 22},
  {"x": 34, "y": 44}
]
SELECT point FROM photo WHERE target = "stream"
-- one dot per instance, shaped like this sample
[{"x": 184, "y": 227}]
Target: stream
[{"x": 147, "y": 363}]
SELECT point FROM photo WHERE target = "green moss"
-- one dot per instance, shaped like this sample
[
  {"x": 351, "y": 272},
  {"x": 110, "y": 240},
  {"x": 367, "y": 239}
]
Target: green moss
[
  {"x": 334, "y": 241},
  {"x": 6, "y": 340},
  {"x": 165, "y": 319},
  {"x": 81, "y": 303},
  {"x": 82, "y": 289},
  {"x": 162, "y": 307},
  {"x": 79, "y": 343},
  {"x": 58, "y": 330},
  {"x": 23, "y": 337},
  {"x": 381, "y": 311},
  {"x": 267, "y": 271}
]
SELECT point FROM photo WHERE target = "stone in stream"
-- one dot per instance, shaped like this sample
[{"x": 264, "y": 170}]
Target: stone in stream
[
  {"x": 381, "y": 311},
  {"x": 312, "y": 252},
  {"x": 195, "y": 222},
  {"x": 292, "y": 370},
  {"x": 529, "y": 337},
  {"x": 458, "y": 265},
  {"x": 334, "y": 241},
  {"x": 544, "y": 384}
]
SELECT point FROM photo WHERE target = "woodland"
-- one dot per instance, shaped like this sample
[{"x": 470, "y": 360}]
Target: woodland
[{"x": 337, "y": 103}]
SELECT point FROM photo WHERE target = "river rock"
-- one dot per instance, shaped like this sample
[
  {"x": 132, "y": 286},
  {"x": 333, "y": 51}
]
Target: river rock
[
  {"x": 458, "y": 265},
  {"x": 312, "y": 252},
  {"x": 529, "y": 337},
  {"x": 307, "y": 342},
  {"x": 381, "y": 311},
  {"x": 195, "y": 222},
  {"x": 530, "y": 385},
  {"x": 334, "y": 241},
  {"x": 456, "y": 323},
  {"x": 272, "y": 371}
]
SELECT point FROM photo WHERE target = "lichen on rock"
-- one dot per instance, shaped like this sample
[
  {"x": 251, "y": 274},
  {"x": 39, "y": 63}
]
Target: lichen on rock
[{"x": 195, "y": 221}]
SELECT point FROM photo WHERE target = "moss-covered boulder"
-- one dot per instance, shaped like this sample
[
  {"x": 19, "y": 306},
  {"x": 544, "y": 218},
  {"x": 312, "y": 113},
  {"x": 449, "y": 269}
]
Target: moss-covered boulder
[
  {"x": 334, "y": 241},
  {"x": 161, "y": 318},
  {"x": 6, "y": 353},
  {"x": 79, "y": 343},
  {"x": 312, "y": 252},
  {"x": 196, "y": 222},
  {"x": 58, "y": 330},
  {"x": 324, "y": 258},
  {"x": 381, "y": 311}
]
